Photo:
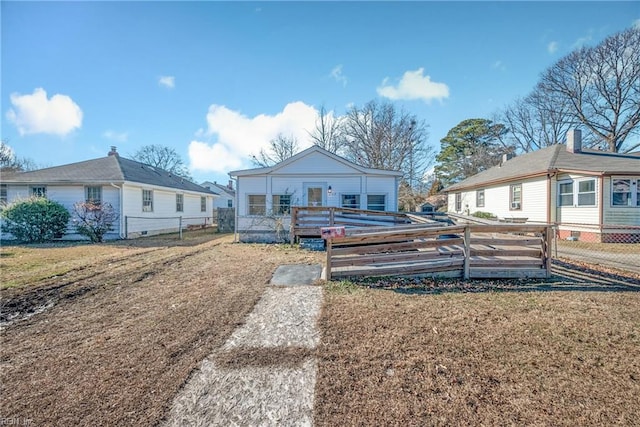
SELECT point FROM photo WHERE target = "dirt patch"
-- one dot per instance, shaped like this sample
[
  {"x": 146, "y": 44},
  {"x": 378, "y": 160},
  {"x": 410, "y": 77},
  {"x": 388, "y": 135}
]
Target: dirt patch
[
  {"x": 390, "y": 357},
  {"x": 123, "y": 336}
]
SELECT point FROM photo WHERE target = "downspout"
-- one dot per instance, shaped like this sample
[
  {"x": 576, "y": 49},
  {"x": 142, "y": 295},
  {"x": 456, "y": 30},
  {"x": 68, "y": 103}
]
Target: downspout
[
  {"x": 601, "y": 205},
  {"x": 236, "y": 235},
  {"x": 120, "y": 197}
]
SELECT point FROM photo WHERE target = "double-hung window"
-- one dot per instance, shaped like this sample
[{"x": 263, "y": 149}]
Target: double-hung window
[
  {"x": 350, "y": 201},
  {"x": 376, "y": 202},
  {"x": 515, "y": 197},
  {"x": 257, "y": 204},
  {"x": 480, "y": 198},
  {"x": 39, "y": 191},
  {"x": 179, "y": 202},
  {"x": 577, "y": 192},
  {"x": 587, "y": 192},
  {"x": 93, "y": 194},
  {"x": 458, "y": 202},
  {"x": 147, "y": 200},
  {"x": 281, "y": 204},
  {"x": 203, "y": 203},
  {"x": 565, "y": 193}
]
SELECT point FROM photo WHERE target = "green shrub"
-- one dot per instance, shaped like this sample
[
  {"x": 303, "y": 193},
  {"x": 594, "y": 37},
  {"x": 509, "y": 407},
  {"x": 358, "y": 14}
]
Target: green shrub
[
  {"x": 485, "y": 215},
  {"x": 35, "y": 219}
]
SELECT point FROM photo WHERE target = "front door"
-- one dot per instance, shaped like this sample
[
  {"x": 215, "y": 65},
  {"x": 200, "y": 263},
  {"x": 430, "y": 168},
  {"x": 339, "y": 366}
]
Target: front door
[{"x": 314, "y": 194}]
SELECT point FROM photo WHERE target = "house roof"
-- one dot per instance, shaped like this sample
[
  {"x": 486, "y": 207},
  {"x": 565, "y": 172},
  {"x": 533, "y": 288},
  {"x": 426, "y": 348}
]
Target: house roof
[
  {"x": 219, "y": 188},
  {"x": 110, "y": 169},
  {"x": 308, "y": 151},
  {"x": 552, "y": 159}
]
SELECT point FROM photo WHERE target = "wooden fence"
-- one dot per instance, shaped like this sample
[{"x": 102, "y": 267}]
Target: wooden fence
[
  {"x": 307, "y": 220},
  {"x": 466, "y": 251}
]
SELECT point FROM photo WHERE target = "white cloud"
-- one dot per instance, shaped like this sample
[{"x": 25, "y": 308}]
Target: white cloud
[
  {"x": 337, "y": 75},
  {"x": 115, "y": 136},
  {"x": 238, "y": 137},
  {"x": 35, "y": 113},
  {"x": 167, "y": 81},
  {"x": 413, "y": 85},
  {"x": 552, "y": 47},
  {"x": 636, "y": 24},
  {"x": 498, "y": 65}
]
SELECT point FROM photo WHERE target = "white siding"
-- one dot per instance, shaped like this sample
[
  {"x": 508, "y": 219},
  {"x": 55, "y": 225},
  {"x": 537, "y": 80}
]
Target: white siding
[
  {"x": 497, "y": 200},
  {"x": 316, "y": 163},
  {"x": 576, "y": 214}
]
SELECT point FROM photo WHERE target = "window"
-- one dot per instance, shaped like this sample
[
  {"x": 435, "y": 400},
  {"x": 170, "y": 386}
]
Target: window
[
  {"x": 230, "y": 203},
  {"x": 625, "y": 192},
  {"x": 203, "y": 203},
  {"x": 179, "y": 202},
  {"x": 147, "y": 201},
  {"x": 480, "y": 198},
  {"x": 515, "y": 197},
  {"x": 3, "y": 194},
  {"x": 376, "y": 202},
  {"x": 587, "y": 192},
  {"x": 281, "y": 204},
  {"x": 39, "y": 191},
  {"x": 351, "y": 201},
  {"x": 257, "y": 204},
  {"x": 314, "y": 196},
  {"x": 458, "y": 202},
  {"x": 93, "y": 195},
  {"x": 565, "y": 193}
]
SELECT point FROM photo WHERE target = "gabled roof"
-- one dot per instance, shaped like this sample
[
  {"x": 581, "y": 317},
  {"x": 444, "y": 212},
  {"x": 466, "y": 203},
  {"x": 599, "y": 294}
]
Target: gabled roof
[
  {"x": 555, "y": 158},
  {"x": 308, "y": 151},
  {"x": 110, "y": 169},
  {"x": 219, "y": 188}
]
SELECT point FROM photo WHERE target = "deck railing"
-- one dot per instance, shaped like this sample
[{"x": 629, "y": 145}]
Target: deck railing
[{"x": 469, "y": 251}]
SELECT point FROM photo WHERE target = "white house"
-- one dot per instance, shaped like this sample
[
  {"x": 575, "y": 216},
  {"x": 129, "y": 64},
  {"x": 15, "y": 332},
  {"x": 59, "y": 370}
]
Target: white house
[
  {"x": 148, "y": 200},
  {"x": 313, "y": 177},
  {"x": 592, "y": 195},
  {"x": 226, "y": 194}
]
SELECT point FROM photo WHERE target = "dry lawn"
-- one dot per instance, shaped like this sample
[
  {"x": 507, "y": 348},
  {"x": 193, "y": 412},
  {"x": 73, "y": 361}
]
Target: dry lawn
[
  {"x": 126, "y": 322},
  {"x": 400, "y": 357}
]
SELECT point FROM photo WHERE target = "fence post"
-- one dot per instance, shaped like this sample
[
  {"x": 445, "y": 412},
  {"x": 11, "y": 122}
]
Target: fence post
[
  {"x": 180, "y": 226},
  {"x": 548, "y": 236},
  {"x": 329, "y": 245},
  {"x": 331, "y": 217},
  {"x": 467, "y": 250},
  {"x": 126, "y": 227},
  {"x": 292, "y": 225}
]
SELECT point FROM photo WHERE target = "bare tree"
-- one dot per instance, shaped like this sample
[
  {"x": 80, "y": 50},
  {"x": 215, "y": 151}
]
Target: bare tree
[
  {"x": 327, "y": 133},
  {"x": 602, "y": 86},
  {"x": 380, "y": 136},
  {"x": 163, "y": 157},
  {"x": 9, "y": 162},
  {"x": 537, "y": 121},
  {"x": 280, "y": 148}
]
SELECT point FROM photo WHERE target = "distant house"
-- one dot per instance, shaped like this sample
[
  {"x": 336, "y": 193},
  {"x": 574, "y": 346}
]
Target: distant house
[
  {"x": 226, "y": 194},
  {"x": 313, "y": 177},
  {"x": 592, "y": 195},
  {"x": 148, "y": 200}
]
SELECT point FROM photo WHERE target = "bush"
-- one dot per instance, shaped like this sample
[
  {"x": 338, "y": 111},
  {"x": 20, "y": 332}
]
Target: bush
[
  {"x": 94, "y": 220},
  {"x": 485, "y": 215},
  {"x": 35, "y": 219}
]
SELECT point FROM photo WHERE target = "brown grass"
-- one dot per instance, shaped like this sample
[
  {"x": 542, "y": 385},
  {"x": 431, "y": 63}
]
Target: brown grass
[
  {"x": 492, "y": 358},
  {"x": 129, "y": 323}
]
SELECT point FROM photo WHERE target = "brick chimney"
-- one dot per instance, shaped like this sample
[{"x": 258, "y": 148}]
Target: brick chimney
[
  {"x": 113, "y": 151},
  {"x": 574, "y": 141},
  {"x": 230, "y": 185}
]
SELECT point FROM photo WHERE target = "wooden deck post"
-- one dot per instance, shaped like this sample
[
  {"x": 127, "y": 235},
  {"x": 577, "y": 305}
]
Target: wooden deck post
[
  {"x": 329, "y": 244},
  {"x": 548, "y": 239},
  {"x": 292, "y": 225},
  {"x": 467, "y": 250}
]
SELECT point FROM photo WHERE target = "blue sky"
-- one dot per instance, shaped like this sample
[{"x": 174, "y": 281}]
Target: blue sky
[{"x": 218, "y": 80}]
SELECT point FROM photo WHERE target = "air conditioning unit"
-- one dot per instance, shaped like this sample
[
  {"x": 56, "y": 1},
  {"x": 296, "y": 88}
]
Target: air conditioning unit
[{"x": 515, "y": 205}]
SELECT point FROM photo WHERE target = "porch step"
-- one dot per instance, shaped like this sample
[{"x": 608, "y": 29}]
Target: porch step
[{"x": 312, "y": 244}]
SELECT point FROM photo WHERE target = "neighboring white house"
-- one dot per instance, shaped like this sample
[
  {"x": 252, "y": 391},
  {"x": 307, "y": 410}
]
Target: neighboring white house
[
  {"x": 226, "y": 194},
  {"x": 313, "y": 177},
  {"x": 592, "y": 195},
  {"x": 148, "y": 200}
]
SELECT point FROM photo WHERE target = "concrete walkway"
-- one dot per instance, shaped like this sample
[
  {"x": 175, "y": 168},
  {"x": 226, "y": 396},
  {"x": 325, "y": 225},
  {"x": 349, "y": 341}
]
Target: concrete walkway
[{"x": 264, "y": 374}]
